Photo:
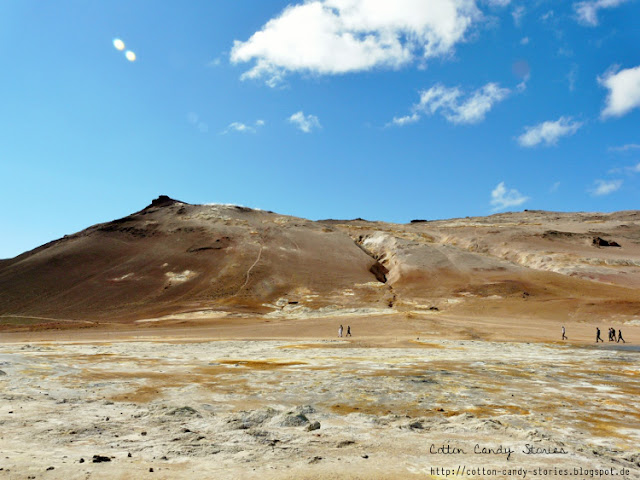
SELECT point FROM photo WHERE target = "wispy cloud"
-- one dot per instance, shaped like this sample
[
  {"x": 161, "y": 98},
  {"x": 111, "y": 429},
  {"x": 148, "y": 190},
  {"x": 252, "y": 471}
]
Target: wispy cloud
[
  {"x": 548, "y": 16},
  {"x": 243, "y": 127},
  {"x": 454, "y": 105},
  {"x": 522, "y": 70},
  {"x": 498, "y": 3},
  {"x": 240, "y": 127},
  {"x": 518, "y": 14},
  {"x": 305, "y": 123},
  {"x": 565, "y": 52},
  {"x": 625, "y": 148},
  {"x": 548, "y": 132},
  {"x": 406, "y": 120},
  {"x": 502, "y": 198},
  {"x": 554, "y": 188},
  {"x": 628, "y": 170},
  {"x": 605, "y": 187},
  {"x": 587, "y": 12},
  {"x": 572, "y": 76},
  {"x": 194, "y": 120},
  {"x": 624, "y": 91},
  {"x": 328, "y": 37}
]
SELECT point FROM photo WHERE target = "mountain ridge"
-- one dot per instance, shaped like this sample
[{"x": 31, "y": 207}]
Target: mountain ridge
[{"x": 177, "y": 259}]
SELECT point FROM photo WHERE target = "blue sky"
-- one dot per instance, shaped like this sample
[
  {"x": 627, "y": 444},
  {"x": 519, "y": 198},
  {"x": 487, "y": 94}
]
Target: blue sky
[{"x": 321, "y": 109}]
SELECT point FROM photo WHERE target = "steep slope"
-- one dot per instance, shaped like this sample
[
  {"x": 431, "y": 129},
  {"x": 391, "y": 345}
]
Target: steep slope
[{"x": 174, "y": 257}]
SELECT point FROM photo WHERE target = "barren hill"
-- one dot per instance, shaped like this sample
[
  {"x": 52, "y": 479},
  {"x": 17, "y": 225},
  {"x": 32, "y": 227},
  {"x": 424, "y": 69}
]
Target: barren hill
[{"x": 181, "y": 261}]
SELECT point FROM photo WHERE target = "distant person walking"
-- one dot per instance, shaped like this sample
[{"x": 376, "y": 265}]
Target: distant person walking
[
  {"x": 340, "y": 331},
  {"x": 564, "y": 337},
  {"x": 612, "y": 334},
  {"x": 619, "y": 336},
  {"x": 348, "y": 330},
  {"x": 598, "y": 339}
]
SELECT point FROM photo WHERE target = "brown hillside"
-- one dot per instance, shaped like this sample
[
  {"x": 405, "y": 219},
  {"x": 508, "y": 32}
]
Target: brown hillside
[{"x": 176, "y": 260}]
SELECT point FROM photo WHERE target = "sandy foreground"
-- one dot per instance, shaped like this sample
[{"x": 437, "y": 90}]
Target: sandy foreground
[{"x": 287, "y": 399}]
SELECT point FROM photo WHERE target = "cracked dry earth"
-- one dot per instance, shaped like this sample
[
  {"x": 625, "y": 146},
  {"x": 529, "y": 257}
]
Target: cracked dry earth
[{"x": 248, "y": 409}]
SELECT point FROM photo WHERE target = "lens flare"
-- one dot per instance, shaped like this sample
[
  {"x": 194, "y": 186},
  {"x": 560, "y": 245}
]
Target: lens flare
[
  {"x": 130, "y": 56},
  {"x": 119, "y": 44}
]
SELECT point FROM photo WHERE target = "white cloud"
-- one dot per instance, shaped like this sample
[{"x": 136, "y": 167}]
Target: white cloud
[
  {"x": 194, "y": 120},
  {"x": 587, "y": 12},
  {"x": 522, "y": 70},
  {"x": 632, "y": 170},
  {"x": 629, "y": 171},
  {"x": 625, "y": 148},
  {"x": 624, "y": 91},
  {"x": 605, "y": 187},
  {"x": 502, "y": 198},
  {"x": 525, "y": 41},
  {"x": 243, "y": 127},
  {"x": 554, "y": 188},
  {"x": 548, "y": 132},
  {"x": 549, "y": 15},
  {"x": 406, "y": 120},
  {"x": 448, "y": 101},
  {"x": 517, "y": 15},
  {"x": 522, "y": 86},
  {"x": 305, "y": 123},
  {"x": 331, "y": 37},
  {"x": 565, "y": 52},
  {"x": 498, "y": 3},
  {"x": 240, "y": 127}
]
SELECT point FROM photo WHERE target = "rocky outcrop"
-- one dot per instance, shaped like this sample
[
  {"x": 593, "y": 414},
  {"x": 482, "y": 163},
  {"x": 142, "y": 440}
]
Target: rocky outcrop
[
  {"x": 601, "y": 242},
  {"x": 379, "y": 271},
  {"x": 162, "y": 201}
]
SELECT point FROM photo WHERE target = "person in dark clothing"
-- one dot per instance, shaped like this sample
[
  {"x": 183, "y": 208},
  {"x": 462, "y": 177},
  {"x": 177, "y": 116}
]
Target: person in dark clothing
[
  {"x": 348, "y": 331},
  {"x": 598, "y": 339},
  {"x": 612, "y": 334},
  {"x": 564, "y": 337},
  {"x": 619, "y": 336}
]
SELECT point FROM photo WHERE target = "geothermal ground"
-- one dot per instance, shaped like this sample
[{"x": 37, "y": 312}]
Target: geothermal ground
[{"x": 393, "y": 403}]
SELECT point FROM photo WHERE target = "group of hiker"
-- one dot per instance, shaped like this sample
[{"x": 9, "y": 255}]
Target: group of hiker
[
  {"x": 341, "y": 329},
  {"x": 612, "y": 335}
]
